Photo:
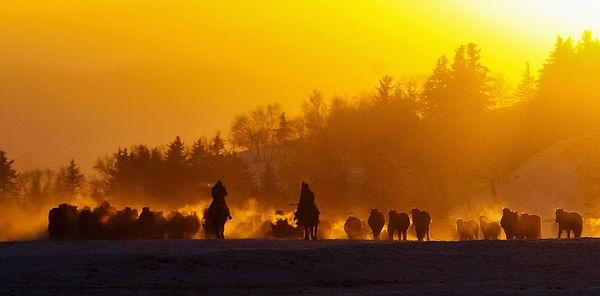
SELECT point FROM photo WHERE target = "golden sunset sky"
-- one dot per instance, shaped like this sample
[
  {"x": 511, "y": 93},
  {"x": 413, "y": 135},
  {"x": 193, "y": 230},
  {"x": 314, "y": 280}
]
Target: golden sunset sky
[{"x": 80, "y": 78}]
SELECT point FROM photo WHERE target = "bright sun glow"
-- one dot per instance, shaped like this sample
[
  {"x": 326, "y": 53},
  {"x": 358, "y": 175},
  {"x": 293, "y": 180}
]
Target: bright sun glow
[{"x": 541, "y": 16}]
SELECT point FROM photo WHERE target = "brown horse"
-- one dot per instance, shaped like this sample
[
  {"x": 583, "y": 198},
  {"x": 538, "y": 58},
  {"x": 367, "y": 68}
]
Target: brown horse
[
  {"x": 307, "y": 213},
  {"x": 308, "y": 217},
  {"x": 214, "y": 220}
]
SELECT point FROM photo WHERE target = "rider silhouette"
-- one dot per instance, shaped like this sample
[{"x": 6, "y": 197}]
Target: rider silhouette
[
  {"x": 218, "y": 192},
  {"x": 306, "y": 202}
]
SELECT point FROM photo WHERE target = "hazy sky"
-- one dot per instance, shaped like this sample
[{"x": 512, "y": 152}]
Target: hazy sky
[{"x": 80, "y": 78}]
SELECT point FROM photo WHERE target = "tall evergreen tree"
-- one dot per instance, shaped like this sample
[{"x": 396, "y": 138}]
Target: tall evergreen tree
[
  {"x": 217, "y": 146},
  {"x": 69, "y": 180},
  {"x": 435, "y": 93},
  {"x": 526, "y": 89},
  {"x": 283, "y": 134},
  {"x": 8, "y": 176},
  {"x": 385, "y": 90},
  {"x": 176, "y": 155}
]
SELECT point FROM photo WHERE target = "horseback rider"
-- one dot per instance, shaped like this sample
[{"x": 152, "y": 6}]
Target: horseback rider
[
  {"x": 306, "y": 204},
  {"x": 218, "y": 192}
]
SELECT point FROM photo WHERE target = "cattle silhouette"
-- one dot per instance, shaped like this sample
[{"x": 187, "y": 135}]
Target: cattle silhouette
[
  {"x": 151, "y": 225},
  {"x": 179, "y": 226},
  {"x": 530, "y": 227},
  {"x": 376, "y": 222},
  {"x": 397, "y": 223},
  {"x": 175, "y": 225},
  {"x": 522, "y": 226},
  {"x": 123, "y": 225},
  {"x": 146, "y": 223},
  {"x": 510, "y": 223},
  {"x": 282, "y": 229},
  {"x": 569, "y": 222},
  {"x": 490, "y": 229},
  {"x": 101, "y": 217},
  {"x": 354, "y": 228},
  {"x": 62, "y": 222},
  {"x": 86, "y": 223},
  {"x": 105, "y": 222},
  {"x": 191, "y": 225},
  {"x": 467, "y": 230},
  {"x": 307, "y": 214},
  {"x": 160, "y": 226},
  {"x": 421, "y": 221}
]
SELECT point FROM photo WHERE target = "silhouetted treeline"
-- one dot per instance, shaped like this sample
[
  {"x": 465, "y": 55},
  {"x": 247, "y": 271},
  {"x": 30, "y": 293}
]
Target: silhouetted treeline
[
  {"x": 434, "y": 143},
  {"x": 176, "y": 177}
]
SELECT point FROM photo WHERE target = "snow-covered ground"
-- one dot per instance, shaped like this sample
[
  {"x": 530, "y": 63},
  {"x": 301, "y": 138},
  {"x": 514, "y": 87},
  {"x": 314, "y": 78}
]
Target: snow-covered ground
[{"x": 334, "y": 267}]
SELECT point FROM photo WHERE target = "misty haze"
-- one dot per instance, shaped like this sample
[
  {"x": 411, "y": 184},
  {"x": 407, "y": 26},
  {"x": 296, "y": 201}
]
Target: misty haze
[{"x": 296, "y": 148}]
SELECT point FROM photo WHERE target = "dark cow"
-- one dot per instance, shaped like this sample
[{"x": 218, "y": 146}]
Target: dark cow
[
  {"x": 510, "y": 223},
  {"x": 467, "y": 230},
  {"x": 181, "y": 226},
  {"x": 354, "y": 228},
  {"x": 421, "y": 221},
  {"x": 151, "y": 225},
  {"x": 146, "y": 223},
  {"x": 530, "y": 227},
  {"x": 569, "y": 222},
  {"x": 85, "y": 223},
  {"x": 160, "y": 226},
  {"x": 397, "y": 223},
  {"x": 123, "y": 225},
  {"x": 62, "y": 222},
  {"x": 490, "y": 229},
  {"x": 102, "y": 216},
  {"x": 175, "y": 225},
  {"x": 376, "y": 222},
  {"x": 282, "y": 229},
  {"x": 191, "y": 225}
]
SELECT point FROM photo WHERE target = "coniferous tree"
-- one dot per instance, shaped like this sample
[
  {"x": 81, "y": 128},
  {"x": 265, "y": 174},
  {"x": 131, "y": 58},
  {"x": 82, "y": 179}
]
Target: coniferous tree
[
  {"x": 526, "y": 89},
  {"x": 435, "y": 94},
  {"x": 385, "y": 90},
  {"x": 176, "y": 156},
  {"x": 283, "y": 134},
  {"x": 217, "y": 146},
  {"x": 69, "y": 180},
  {"x": 8, "y": 176}
]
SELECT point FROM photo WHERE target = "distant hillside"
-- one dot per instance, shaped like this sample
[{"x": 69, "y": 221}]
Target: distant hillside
[{"x": 547, "y": 181}]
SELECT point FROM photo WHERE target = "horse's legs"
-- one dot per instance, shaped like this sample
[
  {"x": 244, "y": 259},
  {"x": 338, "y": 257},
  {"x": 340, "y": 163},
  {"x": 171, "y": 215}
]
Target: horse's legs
[
  {"x": 314, "y": 230},
  {"x": 306, "y": 233}
]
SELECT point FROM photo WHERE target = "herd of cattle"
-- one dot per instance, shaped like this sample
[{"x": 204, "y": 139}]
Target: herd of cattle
[
  {"x": 66, "y": 222},
  {"x": 515, "y": 225}
]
